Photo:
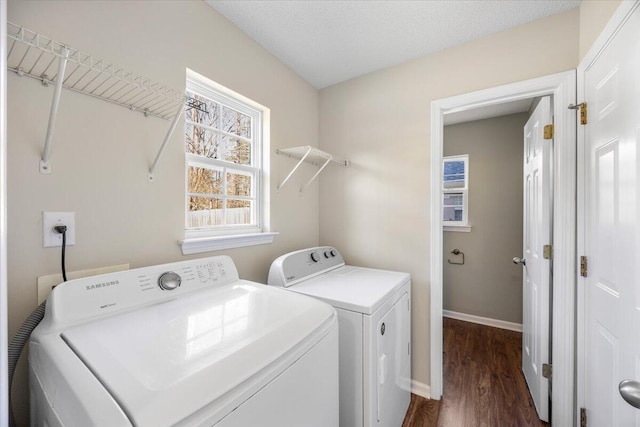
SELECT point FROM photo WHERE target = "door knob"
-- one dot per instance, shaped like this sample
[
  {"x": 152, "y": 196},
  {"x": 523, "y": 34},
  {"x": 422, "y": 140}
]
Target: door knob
[
  {"x": 630, "y": 392},
  {"x": 517, "y": 260}
]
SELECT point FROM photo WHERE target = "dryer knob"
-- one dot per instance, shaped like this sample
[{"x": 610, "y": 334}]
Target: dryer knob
[
  {"x": 333, "y": 252},
  {"x": 315, "y": 257},
  {"x": 327, "y": 254},
  {"x": 169, "y": 281}
]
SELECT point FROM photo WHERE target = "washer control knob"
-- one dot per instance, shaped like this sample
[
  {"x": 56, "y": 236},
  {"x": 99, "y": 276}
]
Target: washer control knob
[
  {"x": 315, "y": 257},
  {"x": 327, "y": 254},
  {"x": 333, "y": 252},
  {"x": 169, "y": 281}
]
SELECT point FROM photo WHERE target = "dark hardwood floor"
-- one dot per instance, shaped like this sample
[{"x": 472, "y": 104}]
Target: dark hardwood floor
[
  {"x": 422, "y": 412},
  {"x": 483, "y": 382}
]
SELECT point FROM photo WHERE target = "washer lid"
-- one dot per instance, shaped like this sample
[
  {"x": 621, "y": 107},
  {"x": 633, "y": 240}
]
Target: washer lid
[
  {"x": 166, "y": 361},
  {"x": 353, "y": 288}
]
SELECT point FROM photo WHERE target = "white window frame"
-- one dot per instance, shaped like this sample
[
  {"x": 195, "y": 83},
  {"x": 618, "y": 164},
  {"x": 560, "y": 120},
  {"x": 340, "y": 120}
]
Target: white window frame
[
  {"x": 462, "y": 225},
  {"x": 231, "y": 236}
]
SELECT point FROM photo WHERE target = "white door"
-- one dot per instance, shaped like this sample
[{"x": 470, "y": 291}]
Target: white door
[
  {"x": 611, "y": 351},
  {"x": 537, "y": 233}
]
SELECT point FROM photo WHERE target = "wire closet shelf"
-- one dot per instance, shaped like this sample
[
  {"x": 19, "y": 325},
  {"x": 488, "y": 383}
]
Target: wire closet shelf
[
  {"x": 311, "y": 155},
  {"x": 52, "y": 62}
]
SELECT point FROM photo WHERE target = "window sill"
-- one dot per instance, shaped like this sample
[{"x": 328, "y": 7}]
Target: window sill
[
  {"x": 458, "y": 228},
  {"x": 217, "y": 243}
]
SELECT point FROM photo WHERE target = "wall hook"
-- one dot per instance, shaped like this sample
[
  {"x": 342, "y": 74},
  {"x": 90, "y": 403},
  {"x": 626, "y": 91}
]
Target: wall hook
[{"x": 457, "y": 252}]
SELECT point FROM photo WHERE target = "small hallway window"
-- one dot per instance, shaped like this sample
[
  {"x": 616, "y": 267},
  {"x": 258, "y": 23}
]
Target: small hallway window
[{"x": 455, "y": 192}]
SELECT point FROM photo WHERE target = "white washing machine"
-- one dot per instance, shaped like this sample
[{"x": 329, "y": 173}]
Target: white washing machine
[
  {"x": 374, "y": 311},
  {"x": 183, "y": 344}
]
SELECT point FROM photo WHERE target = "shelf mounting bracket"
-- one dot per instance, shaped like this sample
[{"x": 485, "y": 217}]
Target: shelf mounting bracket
[
  {"x": 315, "y": 176},
  {"x": 294, "y": 168},
  {"x": 45, "y": 166},
  {"x": 172, "y": 127}
]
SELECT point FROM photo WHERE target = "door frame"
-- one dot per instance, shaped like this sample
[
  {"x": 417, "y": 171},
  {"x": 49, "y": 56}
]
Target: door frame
[
  {"x": 4, "y": 328},
  {"x": 562, "y": 86},
  {"x": 618, "y": 19}
]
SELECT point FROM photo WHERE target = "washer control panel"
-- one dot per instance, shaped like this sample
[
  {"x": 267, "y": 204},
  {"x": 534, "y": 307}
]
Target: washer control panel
[
  {"x": 296, "y": 266},
  {"x": 93, "y": 296}
]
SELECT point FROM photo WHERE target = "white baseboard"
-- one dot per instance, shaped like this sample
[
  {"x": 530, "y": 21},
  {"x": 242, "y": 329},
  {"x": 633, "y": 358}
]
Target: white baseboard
[
  {"x": 420, "y": 389},
  {"x": 483, "y": 320}
]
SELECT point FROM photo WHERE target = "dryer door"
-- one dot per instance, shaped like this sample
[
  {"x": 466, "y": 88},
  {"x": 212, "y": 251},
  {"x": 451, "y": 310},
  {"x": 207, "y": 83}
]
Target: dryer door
[{"x": 393, "y": 363}]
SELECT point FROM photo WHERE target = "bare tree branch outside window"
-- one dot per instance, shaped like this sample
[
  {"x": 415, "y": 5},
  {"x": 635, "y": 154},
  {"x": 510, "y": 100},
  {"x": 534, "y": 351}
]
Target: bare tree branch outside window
[{"x": 218, "y": 132}]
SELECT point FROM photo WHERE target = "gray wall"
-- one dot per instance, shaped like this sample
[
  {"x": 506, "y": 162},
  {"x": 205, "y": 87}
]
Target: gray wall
[{"x": 488, "y": 284}]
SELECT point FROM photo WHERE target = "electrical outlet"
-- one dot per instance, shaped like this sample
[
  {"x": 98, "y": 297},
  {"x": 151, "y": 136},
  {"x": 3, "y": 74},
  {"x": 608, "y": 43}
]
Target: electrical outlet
[{"x": 51, "y": 238}]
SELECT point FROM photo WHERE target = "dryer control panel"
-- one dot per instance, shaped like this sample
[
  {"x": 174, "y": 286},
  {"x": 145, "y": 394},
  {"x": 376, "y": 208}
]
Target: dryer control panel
[
  {"x": 94, "y": 296},
  {"x": 297, "y": 266}
]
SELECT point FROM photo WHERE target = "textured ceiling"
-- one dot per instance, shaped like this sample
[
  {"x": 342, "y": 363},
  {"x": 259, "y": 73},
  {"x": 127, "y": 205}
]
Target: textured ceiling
[{"x": 327, "y": 42}]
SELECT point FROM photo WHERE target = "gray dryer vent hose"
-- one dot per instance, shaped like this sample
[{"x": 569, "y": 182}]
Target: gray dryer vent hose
[{"x": 17, "y": 345}]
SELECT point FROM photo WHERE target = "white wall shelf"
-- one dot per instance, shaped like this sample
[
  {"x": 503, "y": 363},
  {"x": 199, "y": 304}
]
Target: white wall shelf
[
  {"x": 51, "y": 62},
  {"x": 311, "y": 155}
]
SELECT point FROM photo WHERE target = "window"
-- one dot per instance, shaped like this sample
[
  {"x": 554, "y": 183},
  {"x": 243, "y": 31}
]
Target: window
[
  {"x": 224, "y": 147},
  {"x": 455, "y": 185}
]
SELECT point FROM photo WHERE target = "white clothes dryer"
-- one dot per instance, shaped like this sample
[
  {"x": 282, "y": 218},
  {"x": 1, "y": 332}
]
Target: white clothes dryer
[
  {"x": 374, "y": 311},
  {"x": 183, "y": 344}
]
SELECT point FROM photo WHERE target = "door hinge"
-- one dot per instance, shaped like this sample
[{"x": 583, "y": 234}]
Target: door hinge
[
  {"x": 547, "y": 251},
  {"x": 547, "y": 370},
  {"x": 583, "y": 111},
  {"x": 583, "y": 417},
  {"x": 548, "y": 132},
  {"x": 584, "y": 267}
]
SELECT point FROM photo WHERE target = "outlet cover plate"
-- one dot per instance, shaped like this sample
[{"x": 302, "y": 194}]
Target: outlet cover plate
[{"x": 49, "y": 220}]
